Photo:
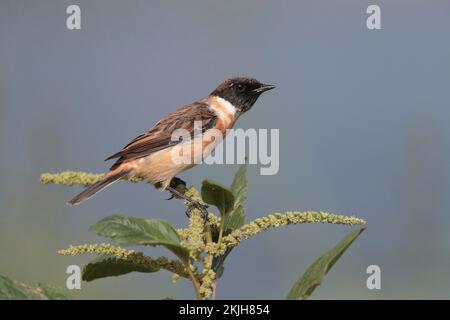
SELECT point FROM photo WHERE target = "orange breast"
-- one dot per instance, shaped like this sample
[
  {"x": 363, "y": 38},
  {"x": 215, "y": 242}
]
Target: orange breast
[{"x": 225, "y": 117}]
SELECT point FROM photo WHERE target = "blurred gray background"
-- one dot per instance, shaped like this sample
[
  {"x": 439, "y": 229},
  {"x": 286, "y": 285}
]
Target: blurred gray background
[{"x": 363, "y": 118}]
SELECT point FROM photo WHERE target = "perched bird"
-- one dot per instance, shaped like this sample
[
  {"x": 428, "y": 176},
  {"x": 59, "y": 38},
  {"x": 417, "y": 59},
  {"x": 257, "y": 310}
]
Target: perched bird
[{"x": 150, "y": 154}]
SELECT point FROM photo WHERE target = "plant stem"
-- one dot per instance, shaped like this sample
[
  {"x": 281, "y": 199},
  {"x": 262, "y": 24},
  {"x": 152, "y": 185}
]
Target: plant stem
[
  {"x": 194, "y": 281},
  {"x": 208, "y": 237},
  {"x": 219, "y": 242},
  {"x": 222, "y": 223}
]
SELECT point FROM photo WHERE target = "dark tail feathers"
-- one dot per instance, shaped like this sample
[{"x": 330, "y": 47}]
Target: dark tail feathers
[{"x": 96, "y": 187}]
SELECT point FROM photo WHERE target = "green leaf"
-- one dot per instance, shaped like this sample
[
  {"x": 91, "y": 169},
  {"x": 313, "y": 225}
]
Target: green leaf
[
  {"x": 112, "y": 266},
  {"x": 14, "y": 290},
  {"x": 314, "y": 275},
  {"x": 54, "y": 293},
  {"x": 139, "y": 231},
  {"x": 236, "y": 218},
  {"x": 218, "y": 196},
  {"x": 239, "y": 187}
]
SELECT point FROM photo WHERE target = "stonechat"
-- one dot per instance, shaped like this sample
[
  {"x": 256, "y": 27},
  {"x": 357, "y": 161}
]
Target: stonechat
[{"x": 150, "y": 155}]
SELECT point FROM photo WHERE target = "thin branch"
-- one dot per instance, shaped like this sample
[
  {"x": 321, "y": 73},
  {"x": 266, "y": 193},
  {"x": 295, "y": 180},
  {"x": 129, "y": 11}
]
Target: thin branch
[
  {"x": 71, "y": 178},
  {"x": 174, "y": 266},
  {"x": 274, "y": 221},
  {"x": 194, "y": 280}
]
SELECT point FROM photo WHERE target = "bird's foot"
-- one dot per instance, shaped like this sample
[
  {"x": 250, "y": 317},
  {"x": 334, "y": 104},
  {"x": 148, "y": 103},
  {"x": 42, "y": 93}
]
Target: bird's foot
[
  {"x": 199, "y": 206},
  {"x": 178, "y": 185}
]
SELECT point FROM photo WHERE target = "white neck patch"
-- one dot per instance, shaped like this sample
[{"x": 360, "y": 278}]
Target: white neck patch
[{"x": 229, "y": 108}]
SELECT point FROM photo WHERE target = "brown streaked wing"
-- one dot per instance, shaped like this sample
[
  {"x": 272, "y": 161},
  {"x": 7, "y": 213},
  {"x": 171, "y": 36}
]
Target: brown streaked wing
[{"x": 159, "y": 137}]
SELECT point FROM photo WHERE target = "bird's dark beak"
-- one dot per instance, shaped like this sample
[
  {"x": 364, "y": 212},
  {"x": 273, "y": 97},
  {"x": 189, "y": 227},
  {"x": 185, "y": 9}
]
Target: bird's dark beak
[{"x": 264, "y": 88}]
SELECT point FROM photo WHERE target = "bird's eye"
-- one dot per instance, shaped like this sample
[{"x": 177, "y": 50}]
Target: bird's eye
[{"x": 240, "y": 87}]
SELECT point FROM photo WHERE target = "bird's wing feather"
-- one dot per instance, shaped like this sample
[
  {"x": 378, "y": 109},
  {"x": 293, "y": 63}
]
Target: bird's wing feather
[{"x": 159, "y": 137}]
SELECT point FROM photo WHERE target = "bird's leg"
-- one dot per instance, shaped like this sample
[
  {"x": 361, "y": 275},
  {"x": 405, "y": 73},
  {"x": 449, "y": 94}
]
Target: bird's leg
[
  {"x": 194, "y": 202},
  {"x": 177, "y": 184},
  {"x": 180, "y": 185}
]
